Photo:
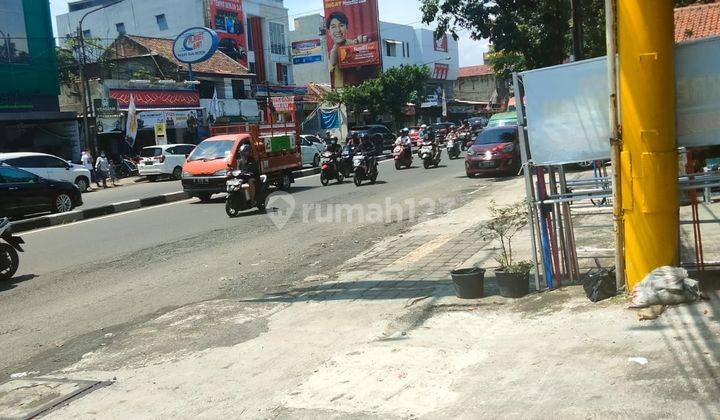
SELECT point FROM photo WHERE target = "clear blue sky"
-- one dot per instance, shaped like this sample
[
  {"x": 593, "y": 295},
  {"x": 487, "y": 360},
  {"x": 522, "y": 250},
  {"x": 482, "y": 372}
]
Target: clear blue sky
[{"x": 395, "y": 11}]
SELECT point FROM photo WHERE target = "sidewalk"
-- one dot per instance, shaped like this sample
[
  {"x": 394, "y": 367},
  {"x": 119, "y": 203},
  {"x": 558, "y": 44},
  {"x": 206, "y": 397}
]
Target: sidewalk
[{"x": 386, "y": 338}]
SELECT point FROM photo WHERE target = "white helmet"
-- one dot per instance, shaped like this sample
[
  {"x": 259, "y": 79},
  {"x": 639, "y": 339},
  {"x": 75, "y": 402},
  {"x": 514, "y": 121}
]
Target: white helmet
[{"x": 423, "y": 126}]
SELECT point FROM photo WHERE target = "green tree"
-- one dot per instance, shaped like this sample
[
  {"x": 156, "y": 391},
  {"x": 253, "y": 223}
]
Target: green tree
[
  {"x": 389, "y": 93},
  {"x": 525, "y": 34}
]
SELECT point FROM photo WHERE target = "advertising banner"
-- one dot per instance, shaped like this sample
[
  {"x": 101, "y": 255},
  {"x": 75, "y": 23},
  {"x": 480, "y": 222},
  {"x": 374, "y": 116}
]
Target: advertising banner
[
  {"x": 228, "y": 20},
  {"x": 148, "y": 120},
  {"x": 568, "y": 113},
  {"x": 353, "y": 40},
  {"x": 148, "y": 98},
  {"x": 441, "y": 71},
  {"x": 441, "y": 44},
  {"x": 304, "y": 52},
  {"x": 195, "y": 45}
]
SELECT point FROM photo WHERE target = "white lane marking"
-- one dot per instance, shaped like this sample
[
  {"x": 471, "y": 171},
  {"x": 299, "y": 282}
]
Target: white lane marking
[
  {"x": 478, "y": 190},
  {"x": 30, "y": 232}
]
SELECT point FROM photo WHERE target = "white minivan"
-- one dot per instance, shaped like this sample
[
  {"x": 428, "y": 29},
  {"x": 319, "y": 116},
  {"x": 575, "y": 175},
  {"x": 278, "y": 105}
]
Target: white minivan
[
  {"x": 163, "y": 160},
  {"x": 49, "y": 167}
]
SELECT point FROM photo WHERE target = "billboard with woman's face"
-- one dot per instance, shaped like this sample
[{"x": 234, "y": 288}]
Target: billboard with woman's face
[{"x": 351, "y": 28}]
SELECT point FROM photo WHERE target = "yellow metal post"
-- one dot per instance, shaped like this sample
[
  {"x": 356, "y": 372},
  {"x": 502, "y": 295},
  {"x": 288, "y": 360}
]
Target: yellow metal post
[{"x": 649, "y": 159}]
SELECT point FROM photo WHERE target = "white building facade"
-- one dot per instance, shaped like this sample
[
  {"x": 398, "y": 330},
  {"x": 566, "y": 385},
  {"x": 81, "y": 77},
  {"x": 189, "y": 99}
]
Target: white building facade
[{"x": 168, "y": 18}]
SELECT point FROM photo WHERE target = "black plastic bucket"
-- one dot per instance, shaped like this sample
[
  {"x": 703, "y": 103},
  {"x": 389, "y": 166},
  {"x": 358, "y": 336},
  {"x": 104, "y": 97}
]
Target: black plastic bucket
[
  {"x": 512, "y": 285},
  {"x": 468, "y": 282}
]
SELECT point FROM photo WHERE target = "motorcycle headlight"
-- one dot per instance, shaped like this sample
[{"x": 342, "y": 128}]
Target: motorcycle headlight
[
  {"x": 236, "y": 173},
  {"x": 221, "y": 172},
  {"x": 186, "y": 174}
]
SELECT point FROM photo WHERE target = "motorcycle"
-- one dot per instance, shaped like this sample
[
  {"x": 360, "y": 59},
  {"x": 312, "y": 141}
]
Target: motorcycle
[
  {"x": 364, "y": 169},
  {"x": 238, "y": 189},
  {"x": 9, "y": 248},
  {"x": 426, "y": 154},
  {"x": 463, "y": 138},
  {"x": 402, "y": 156},
  {"x": 346, "y": 160},
  {"x": 329, "y": 169},
  {"x": 453, "y": 147}
]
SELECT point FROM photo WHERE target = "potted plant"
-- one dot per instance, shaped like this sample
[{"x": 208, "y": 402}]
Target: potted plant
[{"x": 513, "y": 277}]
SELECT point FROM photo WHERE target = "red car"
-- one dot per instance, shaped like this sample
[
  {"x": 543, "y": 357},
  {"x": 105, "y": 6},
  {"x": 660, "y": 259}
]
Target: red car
[{"x": 495, "y": 150}]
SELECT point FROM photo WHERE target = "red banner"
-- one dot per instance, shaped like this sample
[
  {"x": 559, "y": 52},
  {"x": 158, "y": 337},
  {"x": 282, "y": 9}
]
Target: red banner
[
  {"x": 441, "y": 44},
  {"x": 353, "y": 39},
  {"x": 228, "y": 20},
  {"x": 157, "y": 98},
  {"x": 441, "y": 71}
]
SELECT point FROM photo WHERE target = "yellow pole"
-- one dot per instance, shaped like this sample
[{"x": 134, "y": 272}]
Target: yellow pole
[{"x": 649, "y": 160}]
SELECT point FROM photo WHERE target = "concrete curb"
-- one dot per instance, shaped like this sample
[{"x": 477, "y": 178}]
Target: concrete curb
[{"x": 121, "y": 207}]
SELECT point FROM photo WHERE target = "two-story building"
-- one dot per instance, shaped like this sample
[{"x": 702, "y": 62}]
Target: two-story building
[{"x": 30, "y": 119}]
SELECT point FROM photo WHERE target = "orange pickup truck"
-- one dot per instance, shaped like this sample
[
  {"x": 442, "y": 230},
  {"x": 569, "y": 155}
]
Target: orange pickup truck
[{"x": 276, "y": 148}]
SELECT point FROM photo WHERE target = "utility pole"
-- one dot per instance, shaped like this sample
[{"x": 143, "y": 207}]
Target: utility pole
[
  {"x": 577, "y": 30},
  {"x": 84, "y": 84},
  {"x": 649, "y": 160}
]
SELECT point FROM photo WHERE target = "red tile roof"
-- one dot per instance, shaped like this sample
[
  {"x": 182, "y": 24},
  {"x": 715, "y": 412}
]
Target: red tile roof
[
  {"x": 219, "y": 63},
  {"x": 474, "y": 71},
  {"x": 699, "y": 21}
]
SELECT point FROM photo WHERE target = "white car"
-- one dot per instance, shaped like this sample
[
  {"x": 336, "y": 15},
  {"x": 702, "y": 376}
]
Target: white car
[
  {"x": 164, "y": 160},
  {"x": 49, "y": 167},
  {"x": 310, "y": 153},
  {"x": 310, "y": 140}
]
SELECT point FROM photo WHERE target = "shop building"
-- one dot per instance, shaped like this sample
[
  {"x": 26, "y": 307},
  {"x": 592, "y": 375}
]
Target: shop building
[{"x": 30, "y": 118}]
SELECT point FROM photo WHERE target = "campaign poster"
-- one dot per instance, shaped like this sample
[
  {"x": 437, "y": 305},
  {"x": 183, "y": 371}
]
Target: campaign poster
[
  {"x": 228, "y": 20},
  {"x": 441, "y": 44},
  {"x": 353, "y": 39}
]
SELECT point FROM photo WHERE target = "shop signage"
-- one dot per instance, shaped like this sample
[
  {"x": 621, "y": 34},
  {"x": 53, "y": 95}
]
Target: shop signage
[
  {"x": 147, "y": 98},
  {"x": 304, "y": 52},
  {"x": 195, "y": 45}
]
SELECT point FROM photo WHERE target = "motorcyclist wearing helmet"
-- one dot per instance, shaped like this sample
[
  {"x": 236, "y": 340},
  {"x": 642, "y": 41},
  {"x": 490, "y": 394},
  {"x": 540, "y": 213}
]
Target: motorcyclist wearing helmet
[
  {"x": 404, "y": 140},
  {"x": 367, "y": 147},
  {"x": 328, "y": 139},
  {"x": 248, "y": 165}
]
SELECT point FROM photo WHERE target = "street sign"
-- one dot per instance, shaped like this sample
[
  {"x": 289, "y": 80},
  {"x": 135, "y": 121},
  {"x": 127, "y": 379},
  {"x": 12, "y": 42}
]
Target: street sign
[{"x": 195, "y": 45}]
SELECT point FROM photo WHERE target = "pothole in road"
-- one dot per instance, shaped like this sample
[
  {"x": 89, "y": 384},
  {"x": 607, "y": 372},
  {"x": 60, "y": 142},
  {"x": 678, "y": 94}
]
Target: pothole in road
[{"x": 30, "y": 398}]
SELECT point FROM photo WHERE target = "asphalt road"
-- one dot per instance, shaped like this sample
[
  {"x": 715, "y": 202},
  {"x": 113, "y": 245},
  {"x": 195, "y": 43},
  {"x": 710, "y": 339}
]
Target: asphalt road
[{"x": 78, "y": 282}]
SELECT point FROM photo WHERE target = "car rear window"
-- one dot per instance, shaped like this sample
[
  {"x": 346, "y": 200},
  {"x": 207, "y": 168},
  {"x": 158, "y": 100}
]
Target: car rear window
[
  {"x": 210, "y": 150},
  {"x": 504, "y": 135},
  {"x": 151, "y": 152}
]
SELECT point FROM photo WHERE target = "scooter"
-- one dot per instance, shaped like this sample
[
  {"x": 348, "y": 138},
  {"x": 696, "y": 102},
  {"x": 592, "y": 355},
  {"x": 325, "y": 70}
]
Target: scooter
[
  {"x": 238, "y": 189},
  {"x": 453, "y": 146},
  {"x": 329, "y": 169},
  {"x": 402, "y": 156},
  {"x": 9, "y": 248},
  {"x": 346, "y": 161},
  {"x": 364, "y": 170},
  {"x": 426, "y": 154}
]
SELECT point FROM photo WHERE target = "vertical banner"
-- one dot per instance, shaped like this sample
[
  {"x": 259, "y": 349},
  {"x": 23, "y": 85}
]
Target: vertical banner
[
  {"x": 353, "y": 40},
  {"x": 228, "y": 20}
]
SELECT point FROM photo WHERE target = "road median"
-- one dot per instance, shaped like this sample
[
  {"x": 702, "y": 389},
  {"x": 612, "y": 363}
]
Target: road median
[{"x": 121, "y": 207}]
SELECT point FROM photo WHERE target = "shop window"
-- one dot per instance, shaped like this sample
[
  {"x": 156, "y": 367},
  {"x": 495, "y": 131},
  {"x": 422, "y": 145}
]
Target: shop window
[
  {"x": 206, "y": 89},
  {"x": 13, "y": 40},
  {"x": 282, "y": 74},
  {"x": 249, "y": 34},
  {"x": 277, "y": 38},
  {"x": 238, "y": 89}
]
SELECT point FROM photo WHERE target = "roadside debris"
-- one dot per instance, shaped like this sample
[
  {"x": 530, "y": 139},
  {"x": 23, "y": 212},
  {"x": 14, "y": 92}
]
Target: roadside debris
[
  {"x": 666, "y": 286},
  {"x": 651, "y": 312},
  {"x": 639, "y": 360}
]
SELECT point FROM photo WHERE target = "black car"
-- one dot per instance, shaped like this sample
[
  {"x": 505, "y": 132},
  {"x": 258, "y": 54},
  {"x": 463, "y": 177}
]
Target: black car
[
  {"x": 379, "y": 134},
  {"x": 22, "y": 192}
]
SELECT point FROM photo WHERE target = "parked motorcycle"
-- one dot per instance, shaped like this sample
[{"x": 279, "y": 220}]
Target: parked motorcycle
[
  {"x": 402, "y": 156},
  {"x": 426, "y": 154},
  {"x": 346, "y": 161},
  {"x": 329, "y": 169},
  {"x": 238, "y": 189},
  {"x": 9, "y": 248},
  {"x": 364, "y": 169},
  {"x": 453, "y": 147}
]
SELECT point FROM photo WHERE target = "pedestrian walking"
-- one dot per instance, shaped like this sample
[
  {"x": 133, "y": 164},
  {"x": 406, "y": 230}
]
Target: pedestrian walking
[
  {"x": 87, "y": 163},
  {"x": 113, "y": 174},
  {"x": 102, "y": 166}
]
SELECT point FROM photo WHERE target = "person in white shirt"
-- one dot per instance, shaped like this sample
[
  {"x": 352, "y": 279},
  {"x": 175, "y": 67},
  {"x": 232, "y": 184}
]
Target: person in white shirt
[
  {"x": 87, "y": 162},
  {"x": 102, "y": 166}
]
